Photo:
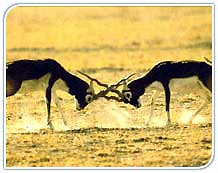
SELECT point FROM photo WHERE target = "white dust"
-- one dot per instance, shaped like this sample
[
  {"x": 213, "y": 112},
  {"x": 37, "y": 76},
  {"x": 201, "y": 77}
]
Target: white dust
[
  {"x": 186, "y": 115},
  {"x": 158, "y": 121},
  {"x": 109, "y": 116},
  {"x": 113, "y": 116}
]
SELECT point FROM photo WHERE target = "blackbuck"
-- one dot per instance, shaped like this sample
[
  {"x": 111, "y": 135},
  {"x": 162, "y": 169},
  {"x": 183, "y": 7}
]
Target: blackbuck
[
  {"x": 168, "y": 72},
  {"x": 24, "y": 76},
  {"x": 47, "y": 75}
]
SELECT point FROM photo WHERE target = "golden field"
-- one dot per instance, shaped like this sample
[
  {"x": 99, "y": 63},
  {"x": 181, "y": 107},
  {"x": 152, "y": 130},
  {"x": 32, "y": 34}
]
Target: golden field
[{"x": 108, "y": 43}]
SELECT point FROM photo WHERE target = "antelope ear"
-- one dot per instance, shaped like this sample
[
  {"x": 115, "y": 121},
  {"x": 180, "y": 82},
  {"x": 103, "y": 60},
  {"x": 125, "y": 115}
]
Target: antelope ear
[
  {"x": 91, "y": 88},
  {"x": 125, "y": 87}
]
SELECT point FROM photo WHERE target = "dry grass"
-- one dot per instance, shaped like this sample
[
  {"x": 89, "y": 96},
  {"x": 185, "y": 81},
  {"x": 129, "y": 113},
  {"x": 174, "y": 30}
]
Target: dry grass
[
  {"x": 108, "y": 43},
  {"x": 105, "y": 36}
]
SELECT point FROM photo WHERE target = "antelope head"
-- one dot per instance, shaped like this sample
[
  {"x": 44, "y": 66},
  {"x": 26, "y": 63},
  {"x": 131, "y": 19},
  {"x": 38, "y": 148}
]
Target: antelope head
[
  {"x": 108, "y": 88},
  {"x": 131, "y": 94}
]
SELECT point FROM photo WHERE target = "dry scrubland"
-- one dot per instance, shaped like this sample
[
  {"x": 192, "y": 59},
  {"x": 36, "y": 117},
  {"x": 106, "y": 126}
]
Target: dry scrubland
[{"x": 108, "y": 43}]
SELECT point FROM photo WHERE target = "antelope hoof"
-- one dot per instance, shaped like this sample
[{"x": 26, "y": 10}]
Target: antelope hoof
[
  {"x": 147, "y": 124},
  {"x": 50, "y": 125},
  {"x": 65, "y": 123},
  {"x": 168, "y": 123},
  {"x": 190, "y": 122}
]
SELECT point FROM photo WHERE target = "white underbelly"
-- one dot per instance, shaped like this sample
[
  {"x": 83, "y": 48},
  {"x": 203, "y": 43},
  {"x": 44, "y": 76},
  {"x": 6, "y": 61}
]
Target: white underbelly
[
  {"x": 35, "y": 85},
  {"x": 179, "y": 83},
  {"x": 184, "y": 82},
  {"x": 41, "y": 84}
]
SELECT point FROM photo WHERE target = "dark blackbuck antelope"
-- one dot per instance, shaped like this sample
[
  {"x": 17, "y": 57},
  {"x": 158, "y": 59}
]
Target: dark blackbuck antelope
[
  {"x": 47, "y": 75},
  {"x": 165, "y": 73}
]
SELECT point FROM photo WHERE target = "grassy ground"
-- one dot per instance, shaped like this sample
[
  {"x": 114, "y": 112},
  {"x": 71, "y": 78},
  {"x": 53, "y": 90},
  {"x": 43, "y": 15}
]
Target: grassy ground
[{"x": 108, "y": 43}]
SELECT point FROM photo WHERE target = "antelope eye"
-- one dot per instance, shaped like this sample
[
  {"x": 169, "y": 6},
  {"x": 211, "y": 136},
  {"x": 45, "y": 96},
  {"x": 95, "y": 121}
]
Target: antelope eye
[
  {"x": 89, "y": 98},
  {"x": 128, "y": 95}
]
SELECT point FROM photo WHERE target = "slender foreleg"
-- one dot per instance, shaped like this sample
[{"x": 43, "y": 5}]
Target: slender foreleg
[
  {"x": 48, "y": 102},
  {"x": 57, "y": 103},
  {"x": 153, "y": 98},
  {"x": 167, "y": 97}
]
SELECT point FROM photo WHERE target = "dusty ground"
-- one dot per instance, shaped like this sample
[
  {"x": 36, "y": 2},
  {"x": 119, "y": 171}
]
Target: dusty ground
[
  {"x": 109, "y": 43},
  {"x": 108, "y": 134},
  {"x": 128, "y": 147}
]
